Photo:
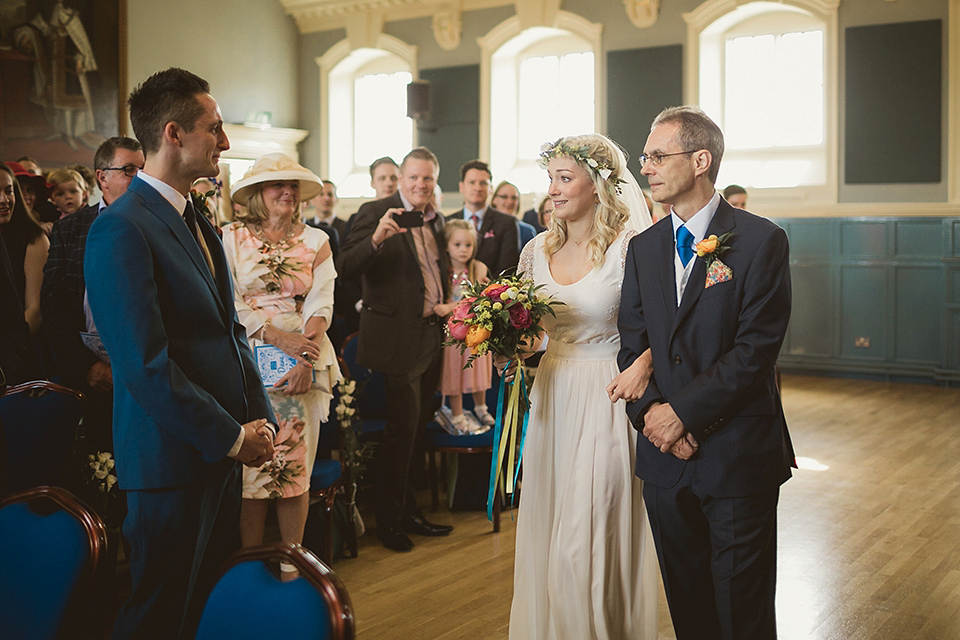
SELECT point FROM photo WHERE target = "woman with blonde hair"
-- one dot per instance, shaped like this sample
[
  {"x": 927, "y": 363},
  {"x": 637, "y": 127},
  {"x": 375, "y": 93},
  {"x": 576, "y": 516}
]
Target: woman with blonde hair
[
  {"x": 586, "y": 566},
  {"x": 283, "y": 278}
]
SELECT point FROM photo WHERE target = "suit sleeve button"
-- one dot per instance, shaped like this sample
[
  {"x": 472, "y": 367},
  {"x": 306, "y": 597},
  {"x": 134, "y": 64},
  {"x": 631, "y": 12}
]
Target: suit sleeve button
[{"x": 677, "y": 360}]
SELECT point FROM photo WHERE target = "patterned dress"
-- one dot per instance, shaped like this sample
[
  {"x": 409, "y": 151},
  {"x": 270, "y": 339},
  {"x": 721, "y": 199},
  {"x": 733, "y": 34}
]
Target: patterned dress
[{"x": 277, "y": 281}]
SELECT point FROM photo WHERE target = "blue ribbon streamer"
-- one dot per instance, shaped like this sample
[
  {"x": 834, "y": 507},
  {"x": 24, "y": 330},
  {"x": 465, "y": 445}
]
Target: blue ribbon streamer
[{"x": 497, "y": 432}]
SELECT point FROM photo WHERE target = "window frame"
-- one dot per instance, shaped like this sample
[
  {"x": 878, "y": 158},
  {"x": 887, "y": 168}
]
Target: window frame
[
  {"x": 339, "y": 69},
  {"x": 705, "y": 28},
  {"x": 528, "y": 43}
]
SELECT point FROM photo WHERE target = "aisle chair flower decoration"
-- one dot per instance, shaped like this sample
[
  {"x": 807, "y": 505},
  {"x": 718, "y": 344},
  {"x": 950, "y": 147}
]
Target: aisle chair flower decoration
[
  {"x": 355, "y": 455},
  {"x": 503, "y": 318}
]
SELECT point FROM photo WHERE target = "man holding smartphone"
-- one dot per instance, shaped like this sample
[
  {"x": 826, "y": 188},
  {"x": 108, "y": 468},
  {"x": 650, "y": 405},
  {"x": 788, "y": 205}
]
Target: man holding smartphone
[{"x": 403, "y": 272}]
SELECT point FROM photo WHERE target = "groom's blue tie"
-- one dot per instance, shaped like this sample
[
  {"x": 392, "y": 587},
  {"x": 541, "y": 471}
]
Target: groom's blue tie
[{"x": 684, "y": 244}]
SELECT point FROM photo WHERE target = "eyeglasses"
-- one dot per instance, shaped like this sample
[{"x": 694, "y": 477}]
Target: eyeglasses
[
  {"x": 657, "y": 158},
  {"x": 129, "y": 170}
]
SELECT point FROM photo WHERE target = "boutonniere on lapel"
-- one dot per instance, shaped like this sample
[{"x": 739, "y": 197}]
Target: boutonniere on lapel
[
  {"x": 489, "y": 234},
  {"x": 709, "y": 250},
  {"x": 200, "y": 202}
]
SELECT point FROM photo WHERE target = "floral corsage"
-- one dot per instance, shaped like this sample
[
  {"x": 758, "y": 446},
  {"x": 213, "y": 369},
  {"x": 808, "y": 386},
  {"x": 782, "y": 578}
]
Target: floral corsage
[{"x": 710, "y": 250}]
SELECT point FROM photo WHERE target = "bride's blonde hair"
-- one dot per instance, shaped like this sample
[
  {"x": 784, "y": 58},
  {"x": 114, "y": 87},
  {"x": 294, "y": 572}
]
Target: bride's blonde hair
[{"x": 599, "y": 157}]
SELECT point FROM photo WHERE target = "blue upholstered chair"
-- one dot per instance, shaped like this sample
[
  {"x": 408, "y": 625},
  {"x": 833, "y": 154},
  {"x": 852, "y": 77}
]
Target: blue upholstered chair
[
  {"x": 40, "y": 420},
  {"x": 314, "y": 606},
  {"x": 439, "y": 441},
  {"x": 372, "y": 401},
  {"x": 52, "y": 547}
]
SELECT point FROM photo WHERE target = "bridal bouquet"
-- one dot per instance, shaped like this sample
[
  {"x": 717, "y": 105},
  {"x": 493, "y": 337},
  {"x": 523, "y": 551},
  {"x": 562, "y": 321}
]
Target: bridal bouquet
[{"x": 502, "y": 317}]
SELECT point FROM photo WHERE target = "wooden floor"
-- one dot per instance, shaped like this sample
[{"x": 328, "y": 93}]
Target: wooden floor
[{"x": 869, "y": 532}]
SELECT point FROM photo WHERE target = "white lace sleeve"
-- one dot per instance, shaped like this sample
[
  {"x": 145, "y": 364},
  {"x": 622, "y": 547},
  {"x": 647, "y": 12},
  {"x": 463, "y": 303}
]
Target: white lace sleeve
[
  {"x": 525, "y": 266},
  {"x": 628, "y": 235}
]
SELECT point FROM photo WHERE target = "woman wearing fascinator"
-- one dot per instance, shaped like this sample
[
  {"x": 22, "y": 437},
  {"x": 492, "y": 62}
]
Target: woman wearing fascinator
[{"x": 586, "y": 566}]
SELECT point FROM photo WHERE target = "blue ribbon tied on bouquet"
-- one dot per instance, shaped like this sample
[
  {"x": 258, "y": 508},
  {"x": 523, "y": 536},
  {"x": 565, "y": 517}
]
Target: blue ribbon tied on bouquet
[{"x": 511, "y": 425}]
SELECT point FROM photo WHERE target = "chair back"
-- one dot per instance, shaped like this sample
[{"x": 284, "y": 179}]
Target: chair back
[
  {"x": 372, "y": 401},
  {"x": 40, "y": 420},
  {"x": 250, "y": 602},
  {"x": 52, "y": 548}
]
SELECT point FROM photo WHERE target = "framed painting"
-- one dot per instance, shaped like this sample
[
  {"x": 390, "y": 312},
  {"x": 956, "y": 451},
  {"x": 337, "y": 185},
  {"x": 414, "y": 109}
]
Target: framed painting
[{"x": 62, "y": 78}]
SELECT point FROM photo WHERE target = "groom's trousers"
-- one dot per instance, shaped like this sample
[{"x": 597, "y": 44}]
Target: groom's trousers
[{"x": 718, "y": 559}]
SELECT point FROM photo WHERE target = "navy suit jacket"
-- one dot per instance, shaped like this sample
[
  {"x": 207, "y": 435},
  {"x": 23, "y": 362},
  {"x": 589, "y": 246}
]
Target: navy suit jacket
[
  {"x": 714, "y": 356},
  {"x": 184, "y": 376},
  {"x": 498, "y": 246}
]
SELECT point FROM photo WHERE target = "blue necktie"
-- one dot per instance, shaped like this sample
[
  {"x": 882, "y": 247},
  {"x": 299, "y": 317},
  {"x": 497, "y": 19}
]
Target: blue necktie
[{"x": 684, "y": 244}]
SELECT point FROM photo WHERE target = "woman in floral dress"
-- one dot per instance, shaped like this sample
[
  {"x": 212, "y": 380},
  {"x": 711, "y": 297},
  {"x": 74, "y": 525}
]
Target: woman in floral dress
[{"x": 283, "y": 278}]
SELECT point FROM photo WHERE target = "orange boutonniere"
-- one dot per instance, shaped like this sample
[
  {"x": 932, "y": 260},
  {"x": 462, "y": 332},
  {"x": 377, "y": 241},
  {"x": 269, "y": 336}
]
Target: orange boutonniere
[{"x": 709, "y": 250}]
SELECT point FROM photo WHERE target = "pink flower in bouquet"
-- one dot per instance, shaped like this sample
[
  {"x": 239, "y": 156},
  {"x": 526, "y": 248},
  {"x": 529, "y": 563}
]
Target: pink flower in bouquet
[
  {"x": 457, "y": 330},
  {"x": 462, "y": 312},
  {"x": 494, "y": 290},
  {"x": 520, "y": 317}
]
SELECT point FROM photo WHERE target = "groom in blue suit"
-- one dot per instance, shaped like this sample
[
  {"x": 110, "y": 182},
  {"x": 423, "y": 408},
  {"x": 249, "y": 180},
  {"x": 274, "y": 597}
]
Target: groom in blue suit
[
  {"x": 715, "y": 448},
  {"x": 189, "y": 406}
]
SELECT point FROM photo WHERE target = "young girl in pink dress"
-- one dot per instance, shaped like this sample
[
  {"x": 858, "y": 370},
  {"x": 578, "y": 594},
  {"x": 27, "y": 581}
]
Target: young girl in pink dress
[{"x": 461, "y": 247}]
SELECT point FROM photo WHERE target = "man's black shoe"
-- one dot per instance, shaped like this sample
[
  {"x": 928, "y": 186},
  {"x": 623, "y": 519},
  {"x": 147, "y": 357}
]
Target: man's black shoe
[
  {"x": 420, "y": 526},
  {"x": 394, "y": 538}
]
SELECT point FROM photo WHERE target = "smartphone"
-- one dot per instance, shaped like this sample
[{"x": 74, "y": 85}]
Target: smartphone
[{"x": 408, "y": 219}]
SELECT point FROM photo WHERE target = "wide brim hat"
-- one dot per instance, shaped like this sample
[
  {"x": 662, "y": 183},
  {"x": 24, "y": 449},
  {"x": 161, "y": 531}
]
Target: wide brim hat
[
  {"x": 276, "y": 166},
  {"x": 40, "y": 186}
]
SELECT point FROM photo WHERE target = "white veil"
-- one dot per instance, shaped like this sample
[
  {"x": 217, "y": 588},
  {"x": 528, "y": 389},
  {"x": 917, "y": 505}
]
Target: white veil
[{"x": 631, "y": 195}]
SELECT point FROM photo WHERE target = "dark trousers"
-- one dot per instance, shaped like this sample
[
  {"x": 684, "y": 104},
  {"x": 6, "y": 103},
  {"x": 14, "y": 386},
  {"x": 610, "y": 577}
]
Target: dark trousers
[
  {"x": 410, "y": 401},
  {"x": 718, "y": 559},
  {"x": 179, "y": 540}
]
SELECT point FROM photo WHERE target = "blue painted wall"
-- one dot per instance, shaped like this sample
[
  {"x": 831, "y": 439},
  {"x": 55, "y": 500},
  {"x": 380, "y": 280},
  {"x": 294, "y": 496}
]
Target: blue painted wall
[{"x": 875, "y": 296}]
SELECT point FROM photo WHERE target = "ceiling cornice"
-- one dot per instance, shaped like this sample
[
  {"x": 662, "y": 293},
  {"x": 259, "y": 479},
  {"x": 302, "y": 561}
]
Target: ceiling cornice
[{"x": 322, "y": 15}]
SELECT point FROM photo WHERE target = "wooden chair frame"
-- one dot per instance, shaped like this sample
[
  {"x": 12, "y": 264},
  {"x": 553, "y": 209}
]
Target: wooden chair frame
[{"x": 316, "y": 572}]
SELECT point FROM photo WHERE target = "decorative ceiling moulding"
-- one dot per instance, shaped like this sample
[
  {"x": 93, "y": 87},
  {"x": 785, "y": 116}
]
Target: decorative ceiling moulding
[
  {"x": 364, "y": 29},
  {"x": 642, "y": 13},
  {"x": 709, "y": 11},
  {"x": 313, "y": 16},
  {"x": 537, "y": 13},
  {"x": 448, "y": 26}
]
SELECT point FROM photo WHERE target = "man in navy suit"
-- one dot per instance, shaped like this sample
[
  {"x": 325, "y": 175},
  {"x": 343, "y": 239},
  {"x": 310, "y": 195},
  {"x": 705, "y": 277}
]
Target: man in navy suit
[
  {"x": 715, "y": 448},
  {"x": 188, "y": 401},
  {"x": 497, "y": 244}
]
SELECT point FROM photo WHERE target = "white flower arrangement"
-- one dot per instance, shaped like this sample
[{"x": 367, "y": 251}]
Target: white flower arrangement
[{"x": 101, "y": 464}]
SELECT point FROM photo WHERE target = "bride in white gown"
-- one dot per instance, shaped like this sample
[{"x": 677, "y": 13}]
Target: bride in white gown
[{"x": 586, "y": 566}]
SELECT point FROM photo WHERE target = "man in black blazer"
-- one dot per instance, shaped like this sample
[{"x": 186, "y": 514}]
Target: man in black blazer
[
  {"x": 497, "y": 244},
  {"x": 404, "y": 276},
  {"x": 63, "y": 295},
  {"x": 715, "y": 448}
]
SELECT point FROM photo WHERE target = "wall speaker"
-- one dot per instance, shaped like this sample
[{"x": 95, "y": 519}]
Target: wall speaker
[{"x": 418, "y": 100}]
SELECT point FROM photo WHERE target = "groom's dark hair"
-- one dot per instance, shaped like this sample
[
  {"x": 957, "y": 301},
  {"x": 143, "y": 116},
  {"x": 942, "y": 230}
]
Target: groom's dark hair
[
  {"x": 166, "y": 96},
  {"x": 697, "y": 131}
]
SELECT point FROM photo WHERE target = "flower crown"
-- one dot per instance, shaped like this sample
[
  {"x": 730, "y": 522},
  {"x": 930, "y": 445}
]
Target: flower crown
[{"x": 580, "y": 154}]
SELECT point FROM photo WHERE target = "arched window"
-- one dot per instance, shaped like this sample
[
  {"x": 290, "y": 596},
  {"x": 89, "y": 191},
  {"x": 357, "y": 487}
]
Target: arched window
[
  {"x": 765, "y": 73},
  {"x": 365, "y": 94},
  {"x": 538, "y": 84}
]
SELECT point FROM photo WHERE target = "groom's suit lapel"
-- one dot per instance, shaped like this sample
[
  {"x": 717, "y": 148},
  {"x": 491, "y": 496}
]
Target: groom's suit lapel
[
  {"x": 722, "y": 223},
  {"x": 668, "y": 283},
  {"x": 158, "y": 206}
]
